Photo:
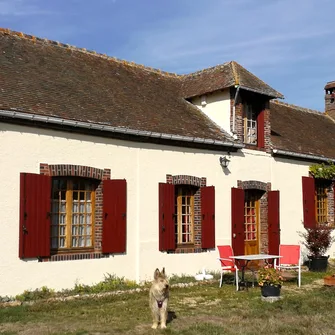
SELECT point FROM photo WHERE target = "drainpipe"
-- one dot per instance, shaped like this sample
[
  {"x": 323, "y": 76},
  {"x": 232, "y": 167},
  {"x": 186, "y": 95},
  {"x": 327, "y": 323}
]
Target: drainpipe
[{"x": 235, "y": 99}]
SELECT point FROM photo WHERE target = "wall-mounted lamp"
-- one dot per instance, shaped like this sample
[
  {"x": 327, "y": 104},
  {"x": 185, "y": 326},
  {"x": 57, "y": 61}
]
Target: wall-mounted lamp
[{"x": 224, "y": 161}]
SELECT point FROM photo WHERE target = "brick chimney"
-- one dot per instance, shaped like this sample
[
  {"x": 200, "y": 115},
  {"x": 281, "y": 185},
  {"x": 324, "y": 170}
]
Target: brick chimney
[{"x": 330, "y": 99}]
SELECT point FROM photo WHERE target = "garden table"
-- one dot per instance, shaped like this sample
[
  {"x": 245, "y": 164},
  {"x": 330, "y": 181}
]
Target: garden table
[{"x": 255, "y": 257}]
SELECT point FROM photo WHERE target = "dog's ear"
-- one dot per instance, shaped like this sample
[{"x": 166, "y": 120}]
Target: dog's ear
[
  {"x": 163, "y": 271},
  {"x": 156, "y": 274}
]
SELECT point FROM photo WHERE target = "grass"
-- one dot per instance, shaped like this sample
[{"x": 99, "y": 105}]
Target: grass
[{"x": 199, "y": 309}]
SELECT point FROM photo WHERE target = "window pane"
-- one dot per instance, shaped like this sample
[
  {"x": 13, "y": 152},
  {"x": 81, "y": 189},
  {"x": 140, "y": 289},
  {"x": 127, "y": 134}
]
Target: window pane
[
  {"x": 74, "y": 242},
  {"x": 75, "y": 219},
  {"x": 62, "y": 206},
  {"x": 82, "y": 208},
  {"x": 71, "y": 197},
  {"x": 184, "y": 219},
  {"x": 75, "y": 207},
  {"x": 62, "y": 230},
  {"x": 88, "y": 207},
  {"x": 62, "y": 242},
  {"x": 74, "y": 230}
]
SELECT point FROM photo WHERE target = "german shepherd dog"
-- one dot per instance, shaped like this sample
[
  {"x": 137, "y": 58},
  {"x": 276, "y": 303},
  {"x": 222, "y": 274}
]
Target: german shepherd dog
[{"x": 159, "y": 298}]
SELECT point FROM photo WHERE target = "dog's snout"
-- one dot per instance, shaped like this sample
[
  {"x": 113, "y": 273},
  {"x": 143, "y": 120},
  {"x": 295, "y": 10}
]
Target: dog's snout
[{"x": 166, "y": 285}]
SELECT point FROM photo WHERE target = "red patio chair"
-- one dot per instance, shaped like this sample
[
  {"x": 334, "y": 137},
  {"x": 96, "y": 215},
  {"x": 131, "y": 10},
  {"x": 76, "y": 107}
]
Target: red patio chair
[
  {"x": 291, "y": 259},
  {"x": 227, "y": 264}
]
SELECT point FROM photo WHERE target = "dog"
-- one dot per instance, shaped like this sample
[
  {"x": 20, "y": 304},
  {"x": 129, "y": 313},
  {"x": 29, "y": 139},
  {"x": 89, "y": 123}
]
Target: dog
[{"x": 159, "y": 298}]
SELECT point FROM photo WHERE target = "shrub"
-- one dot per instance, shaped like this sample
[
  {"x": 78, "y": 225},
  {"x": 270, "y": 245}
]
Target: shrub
[{"x": 317, "y": 240}]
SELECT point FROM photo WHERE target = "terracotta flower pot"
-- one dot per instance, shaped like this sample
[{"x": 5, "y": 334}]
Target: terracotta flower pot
[{"x": 329, "y": 280}]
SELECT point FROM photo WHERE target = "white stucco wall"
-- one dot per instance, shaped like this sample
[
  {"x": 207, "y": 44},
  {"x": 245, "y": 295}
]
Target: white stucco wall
[
  {"x": 143, "y": 166},
  {"x": 287, "y": 177},
  {"x": 217, "y": 108}
]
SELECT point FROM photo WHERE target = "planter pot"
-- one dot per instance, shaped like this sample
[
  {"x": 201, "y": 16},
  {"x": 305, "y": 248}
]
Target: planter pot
[
  {"x": 270, "y": 291},
  {"x": 318, "y": 264},
  {"x": 329, "y": 280}
]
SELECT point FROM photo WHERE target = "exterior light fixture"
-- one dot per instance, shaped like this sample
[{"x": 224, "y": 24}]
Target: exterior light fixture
[{"x": 224, "y": 162}]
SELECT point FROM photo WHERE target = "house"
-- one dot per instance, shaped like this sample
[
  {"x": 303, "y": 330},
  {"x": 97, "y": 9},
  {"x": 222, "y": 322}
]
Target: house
[{"x": 112, "y": 167}]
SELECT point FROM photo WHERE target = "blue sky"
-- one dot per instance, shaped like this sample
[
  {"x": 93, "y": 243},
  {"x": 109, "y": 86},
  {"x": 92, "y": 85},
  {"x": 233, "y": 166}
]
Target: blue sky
[{"x": 289, "y": 44}]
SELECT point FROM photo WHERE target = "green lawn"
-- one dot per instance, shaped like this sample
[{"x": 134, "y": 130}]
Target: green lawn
[{"x": 200, "y": 309}]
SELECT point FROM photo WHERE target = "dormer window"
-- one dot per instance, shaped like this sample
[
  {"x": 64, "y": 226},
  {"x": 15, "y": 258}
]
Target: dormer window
[{"x": 250, "y": 125}]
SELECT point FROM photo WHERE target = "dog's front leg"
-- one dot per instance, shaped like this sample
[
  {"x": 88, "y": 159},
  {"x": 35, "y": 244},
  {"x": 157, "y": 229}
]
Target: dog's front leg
[
  {"x": 155, "y": 318},
  {"x": 163, "y": 315}
]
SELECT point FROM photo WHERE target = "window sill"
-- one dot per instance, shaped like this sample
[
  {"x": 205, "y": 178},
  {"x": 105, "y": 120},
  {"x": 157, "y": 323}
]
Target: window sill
[
  {"x": 73, "y": 256},
  {"x": 71, "y": 251}
]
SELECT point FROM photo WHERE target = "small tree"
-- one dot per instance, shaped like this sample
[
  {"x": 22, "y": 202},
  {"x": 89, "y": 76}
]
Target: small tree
[{"x": 317, "y": 240}]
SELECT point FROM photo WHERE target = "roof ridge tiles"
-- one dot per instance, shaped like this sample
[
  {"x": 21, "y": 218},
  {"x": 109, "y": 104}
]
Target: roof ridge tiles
[
  {"x": 302, "y": 109},
  {"x": 34, "y": 39},
  {"x": 208, "y": 69}
]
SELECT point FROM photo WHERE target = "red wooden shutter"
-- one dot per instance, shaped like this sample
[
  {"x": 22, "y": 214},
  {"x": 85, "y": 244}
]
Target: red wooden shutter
[
  {"x": 308, "y": 198},
  {"x": 237, "y": 220},
  {"x": 273, "y": 222},
  {"x": 114, "y": 226},
  {"x": 208, "y": 217},
  {"x": 35, "y": 207},
  {"x": 260, "y": 129},
  {"x": 166, "y": 217}
]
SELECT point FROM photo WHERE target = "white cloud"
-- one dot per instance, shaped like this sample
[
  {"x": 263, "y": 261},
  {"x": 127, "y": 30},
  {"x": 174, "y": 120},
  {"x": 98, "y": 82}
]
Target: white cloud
[{"x": 257, "y": 33}]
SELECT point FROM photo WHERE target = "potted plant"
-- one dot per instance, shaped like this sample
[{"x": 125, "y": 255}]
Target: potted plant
[
  {"x": 270, "y": 281},
  {"x": 329, "y": 280},
  {"x": 317, "y": 241}
]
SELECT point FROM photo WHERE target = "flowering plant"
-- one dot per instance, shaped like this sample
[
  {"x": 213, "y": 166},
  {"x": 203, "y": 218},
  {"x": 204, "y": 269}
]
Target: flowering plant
[{"x": 269, "y": 276}]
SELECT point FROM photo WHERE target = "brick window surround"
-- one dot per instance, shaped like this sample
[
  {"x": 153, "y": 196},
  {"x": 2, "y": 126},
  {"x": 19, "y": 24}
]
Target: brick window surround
[
  {"x": 199, "y": 182},
  {"x": 263, "y": 208},
  {"x": 68, "y": 170}
]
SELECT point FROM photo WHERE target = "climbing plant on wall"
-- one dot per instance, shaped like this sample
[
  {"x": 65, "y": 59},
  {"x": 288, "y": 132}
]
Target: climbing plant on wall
[{"x": 323, "y": 170}]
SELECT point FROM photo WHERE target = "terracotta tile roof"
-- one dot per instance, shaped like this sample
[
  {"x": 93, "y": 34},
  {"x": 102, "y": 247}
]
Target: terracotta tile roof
[
  {"x": 302, "y": 130},
  {"x": 49, "y": 78},
  {"x": 222, "y": 76}
]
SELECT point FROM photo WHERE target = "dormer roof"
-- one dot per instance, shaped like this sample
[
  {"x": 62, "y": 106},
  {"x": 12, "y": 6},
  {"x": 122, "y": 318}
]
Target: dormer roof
[{"x": 223, "y": 76}]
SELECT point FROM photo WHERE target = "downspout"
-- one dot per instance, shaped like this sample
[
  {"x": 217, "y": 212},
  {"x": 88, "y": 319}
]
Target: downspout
[{"x": 234, "y": 113}]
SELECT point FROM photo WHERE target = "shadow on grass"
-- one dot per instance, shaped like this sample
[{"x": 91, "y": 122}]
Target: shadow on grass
[{"x": 171, "y": 316}]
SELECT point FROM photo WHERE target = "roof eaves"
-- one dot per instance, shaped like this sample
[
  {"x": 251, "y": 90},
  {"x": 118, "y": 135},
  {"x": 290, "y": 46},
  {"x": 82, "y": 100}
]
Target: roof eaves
[
  {"x": 120, "y": 130},
  {"x": 274, "y": 96},
  {"x": 302, "y": 156}
]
